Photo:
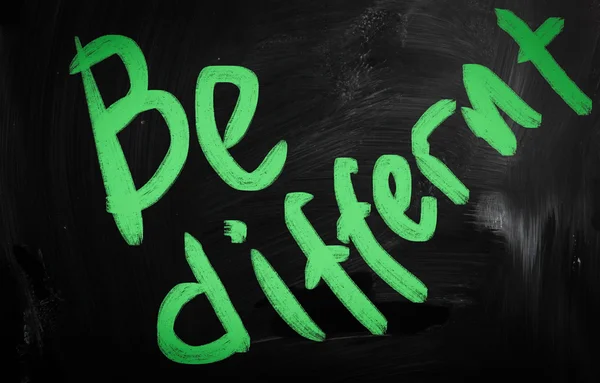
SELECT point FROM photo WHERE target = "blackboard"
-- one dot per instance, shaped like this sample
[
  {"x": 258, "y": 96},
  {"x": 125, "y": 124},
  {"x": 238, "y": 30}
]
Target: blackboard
[{"x": 487, "y": 268}]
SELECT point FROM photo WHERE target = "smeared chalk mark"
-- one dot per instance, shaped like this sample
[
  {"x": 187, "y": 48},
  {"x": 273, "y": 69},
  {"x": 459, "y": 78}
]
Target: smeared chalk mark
[{"x": 236, "y": 230}]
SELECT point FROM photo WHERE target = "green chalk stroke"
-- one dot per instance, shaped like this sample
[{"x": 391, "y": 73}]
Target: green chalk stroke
[
  {"x": 282, "y": 299},
  {"x": 487, "y": 92},
  {"x": 123, "y": 200},
  {"x": 314, "y": 270},
  {"x": 235, "y": 339},
  {"x": 547, "y": 32},
  {"x": 392, "y": 207},
  {"x": 533, "y": 48},
  {"x": 236, "y": 230},
  {"x": 431, "y": 167},
  {"x": 323, "y": 262},
  {"x": 353, "y": 227},
  {"x": 215, "y": 149}
]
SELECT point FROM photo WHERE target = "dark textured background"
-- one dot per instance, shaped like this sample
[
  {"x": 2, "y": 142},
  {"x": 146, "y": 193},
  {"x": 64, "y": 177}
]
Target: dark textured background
[{"x": 512, "y": 276}]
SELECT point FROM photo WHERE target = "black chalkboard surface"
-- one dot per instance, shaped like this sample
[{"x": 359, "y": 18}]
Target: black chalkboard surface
[{"x": 367, "y": 190}]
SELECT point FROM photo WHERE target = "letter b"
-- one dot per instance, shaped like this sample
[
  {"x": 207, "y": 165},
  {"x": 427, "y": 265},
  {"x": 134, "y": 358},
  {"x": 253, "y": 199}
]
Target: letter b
[{"x": 122, "y": 199}]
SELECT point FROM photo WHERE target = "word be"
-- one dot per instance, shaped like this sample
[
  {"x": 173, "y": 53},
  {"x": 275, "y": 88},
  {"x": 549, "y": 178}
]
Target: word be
[{"x": 487, "y": 93}]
